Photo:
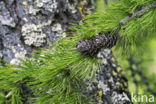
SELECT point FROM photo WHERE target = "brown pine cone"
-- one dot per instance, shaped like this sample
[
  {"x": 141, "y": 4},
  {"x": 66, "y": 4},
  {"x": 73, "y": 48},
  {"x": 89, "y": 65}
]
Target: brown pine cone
[{"x": 91, "y": 47}]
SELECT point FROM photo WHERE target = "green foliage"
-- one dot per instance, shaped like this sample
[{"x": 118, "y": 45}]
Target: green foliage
[
  {"x": 136, "y": 30},
  {"x": 57, "y": 75},
  {"x": 10, "y": 91}
]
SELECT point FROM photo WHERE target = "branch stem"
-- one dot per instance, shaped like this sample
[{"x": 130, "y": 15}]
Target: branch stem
[{"x": 138, "y": 13}]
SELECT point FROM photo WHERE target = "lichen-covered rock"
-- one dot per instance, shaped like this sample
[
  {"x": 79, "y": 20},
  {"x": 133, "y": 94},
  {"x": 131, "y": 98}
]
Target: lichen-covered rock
[
  {"x": 28, "y": 24},
  {"x": 42, "y": 5},
  {"x": 109, "y": 86},
  {"x": 5, "y": 18},
  {"x": 57, "y": 28},
  {"x": 49, "y": 5},
  {"x": 12, "y": 46},
  {"x": 18, "y": 55}
]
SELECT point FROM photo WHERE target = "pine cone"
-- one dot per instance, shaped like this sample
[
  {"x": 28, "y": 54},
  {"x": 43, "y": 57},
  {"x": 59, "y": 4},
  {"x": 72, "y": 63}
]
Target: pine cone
[{"x": 91, "y": 47}]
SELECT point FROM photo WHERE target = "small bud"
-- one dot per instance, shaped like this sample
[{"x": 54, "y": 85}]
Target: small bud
[
  {"x": 100, "y": 94},
  {"x": 25, "y": 3}
]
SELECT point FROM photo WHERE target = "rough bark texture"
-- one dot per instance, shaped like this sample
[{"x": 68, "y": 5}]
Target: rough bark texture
[
  {"x": 109, "y": 86},
  {"x": 26, "y": 25}
]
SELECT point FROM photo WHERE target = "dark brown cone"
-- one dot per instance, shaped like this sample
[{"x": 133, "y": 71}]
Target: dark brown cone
[{"x": 91, "y": 47}]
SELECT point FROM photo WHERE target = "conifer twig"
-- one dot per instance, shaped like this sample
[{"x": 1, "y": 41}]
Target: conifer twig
[
  {"x": 91, "y": 47},
  {"x": 9, "y": 94},
  {"x": 138, "y": 13}
]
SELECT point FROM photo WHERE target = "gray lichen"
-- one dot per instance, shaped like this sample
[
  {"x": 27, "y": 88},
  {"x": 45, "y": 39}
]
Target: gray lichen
[
  {"x": 43, "y": 5},
  {"x": 57, "y": 28},
  {"x": 18, "y": 56},
  {"x": 33, "y": 35},
  {"x": 49, "y": 5}
]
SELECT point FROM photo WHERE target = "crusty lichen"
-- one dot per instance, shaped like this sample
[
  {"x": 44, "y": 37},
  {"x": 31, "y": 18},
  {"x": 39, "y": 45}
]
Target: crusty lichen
[
  {"x": 33, "y": 35},
  {"x": 47, "y": 5},
  {"x": 57, "y": 28},
  {"x": 18, "y": 55}
]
